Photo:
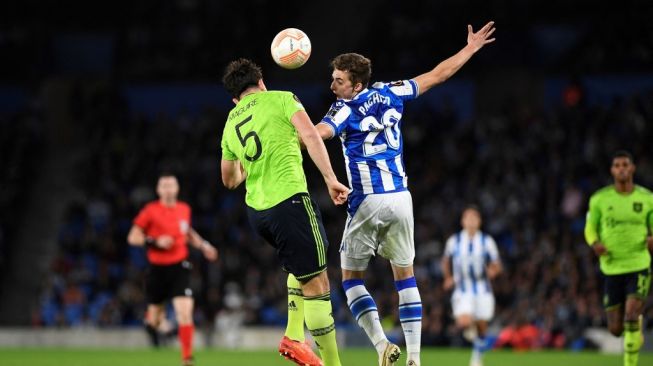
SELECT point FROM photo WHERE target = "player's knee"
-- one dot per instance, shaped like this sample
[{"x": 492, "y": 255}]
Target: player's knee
[
  {"x": 463, "y": 322},
  {"x": 317, "y": 285},
  {"x": 185, "y": 318},
  {"x": 632, "y": 313},
  {"x": 352, "y": 275},
  {"x": 616, "y": 329},
  {"x": 402, "y": 273}
]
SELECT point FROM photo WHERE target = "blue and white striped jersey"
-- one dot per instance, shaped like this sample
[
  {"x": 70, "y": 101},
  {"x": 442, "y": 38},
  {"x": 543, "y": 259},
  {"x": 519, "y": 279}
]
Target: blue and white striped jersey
[
  {"x": 469, "y": 257},
  {"x": 370, "y": 129}
]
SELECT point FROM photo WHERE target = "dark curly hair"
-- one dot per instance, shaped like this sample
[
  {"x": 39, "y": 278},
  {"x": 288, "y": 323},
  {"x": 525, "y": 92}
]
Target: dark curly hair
[{"x": 240, "y": 75}]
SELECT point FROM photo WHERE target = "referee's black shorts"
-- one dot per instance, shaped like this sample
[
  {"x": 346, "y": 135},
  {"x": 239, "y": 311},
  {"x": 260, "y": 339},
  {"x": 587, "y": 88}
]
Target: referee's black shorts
[
  {"x": 294, "y": 228},
  {"x": 164, "y": 282}
]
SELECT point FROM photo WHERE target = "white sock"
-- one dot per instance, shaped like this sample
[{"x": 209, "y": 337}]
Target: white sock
[
  {"x": 364, "y": 309},
  {"x": 410, "y": 315},
  {"x": 479, "y": 348}
]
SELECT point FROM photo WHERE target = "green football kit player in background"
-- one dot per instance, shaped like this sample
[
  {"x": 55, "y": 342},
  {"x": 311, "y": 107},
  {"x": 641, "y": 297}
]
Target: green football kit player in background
[
  {"x": 618, "y": 228},
  {"x": 260, "y": 146}
]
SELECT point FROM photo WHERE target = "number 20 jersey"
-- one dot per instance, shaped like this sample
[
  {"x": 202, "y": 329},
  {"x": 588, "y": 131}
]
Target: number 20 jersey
[
  {"x": 259, "y": 134},
  {"x": 369, "y": 126}
]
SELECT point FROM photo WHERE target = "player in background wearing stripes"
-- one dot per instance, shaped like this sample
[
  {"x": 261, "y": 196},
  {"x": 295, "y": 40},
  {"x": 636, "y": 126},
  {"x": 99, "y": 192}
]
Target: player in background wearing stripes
[
  {"x": 474, "y": 258},
  {"x": 380, "y": 215},
  {"x": 164, "y": 228},
  {"x": 618, "y": 228},
  {"x": 261, "y": 147}
]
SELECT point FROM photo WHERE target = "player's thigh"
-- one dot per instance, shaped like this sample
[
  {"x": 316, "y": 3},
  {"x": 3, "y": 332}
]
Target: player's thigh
[
  {"x": 637, "y": 289},
  {"x": 397, "y": 237},
  {"x": 299, "y": 236},
  {"x": 178, "y": 280},
  {"x": 614, "y": 292},
  {"x": 484, "y": 307},
  {"x": 359, "y": 238},
  {"x": 638, "y": 284}
]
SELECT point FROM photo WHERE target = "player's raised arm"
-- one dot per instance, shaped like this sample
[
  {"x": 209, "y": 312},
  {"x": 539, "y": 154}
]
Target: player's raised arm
[
  {"x": 318, "y": 153},
  {"x": 445, "y": 69}
]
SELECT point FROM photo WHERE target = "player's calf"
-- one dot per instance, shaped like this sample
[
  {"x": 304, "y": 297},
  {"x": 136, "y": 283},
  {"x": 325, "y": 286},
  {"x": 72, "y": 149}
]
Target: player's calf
[
  {"x": 410, "y": 315},
  {"x": 616, "y": 329}
]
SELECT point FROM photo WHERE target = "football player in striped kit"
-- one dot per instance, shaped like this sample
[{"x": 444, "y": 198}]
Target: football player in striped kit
[
  {"x": 367, "y": 118},
  {"x": 474, "y": 258}
]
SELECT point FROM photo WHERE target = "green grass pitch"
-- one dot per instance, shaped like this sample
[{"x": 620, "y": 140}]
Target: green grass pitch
[{"x": 356, "y": 357}]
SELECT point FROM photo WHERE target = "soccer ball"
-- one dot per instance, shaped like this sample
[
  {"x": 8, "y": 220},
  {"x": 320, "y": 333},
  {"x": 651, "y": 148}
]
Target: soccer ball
[{"x": 291, "y": 48}]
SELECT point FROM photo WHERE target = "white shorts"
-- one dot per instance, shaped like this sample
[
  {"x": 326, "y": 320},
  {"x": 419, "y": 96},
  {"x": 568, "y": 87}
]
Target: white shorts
[
  {"x": 479, "y": 306},
  {"x": 382, "y": 224}
]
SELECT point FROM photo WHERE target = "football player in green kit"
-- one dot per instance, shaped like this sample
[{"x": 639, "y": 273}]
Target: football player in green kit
[
  {"x": 261, "y": 147},
  {"x": 618, "y": 229}
]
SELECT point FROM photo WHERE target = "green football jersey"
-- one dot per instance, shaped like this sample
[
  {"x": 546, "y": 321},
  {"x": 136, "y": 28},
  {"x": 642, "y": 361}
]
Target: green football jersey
[
  {"x": 258, "y": 132},
  {"x": 621, "y": 222}
]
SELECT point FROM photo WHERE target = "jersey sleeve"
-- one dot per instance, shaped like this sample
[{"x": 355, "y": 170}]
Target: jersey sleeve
[
  {"x": 404, "y": 89},
  {"x": 492, "y": 251},
  {"x": 143, "y": 218},
  {"x": 227, "y": 154},
  {"x": 291, "y": 105},
  {"x": 592, "y": 221},
  {"x": 336, "y": 117},
  {"x": 448, "y": 247}
]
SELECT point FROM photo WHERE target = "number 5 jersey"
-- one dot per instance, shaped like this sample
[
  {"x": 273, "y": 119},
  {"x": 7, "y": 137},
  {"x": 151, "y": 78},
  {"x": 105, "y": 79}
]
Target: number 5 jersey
[{"x": 258, "y": 132}]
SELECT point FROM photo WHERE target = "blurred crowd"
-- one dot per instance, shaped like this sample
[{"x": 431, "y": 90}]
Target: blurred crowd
[
  {"x": 531, "y": 171},
  {"x": 21, "y": 148},
  {"x": 189, "y": 39}
]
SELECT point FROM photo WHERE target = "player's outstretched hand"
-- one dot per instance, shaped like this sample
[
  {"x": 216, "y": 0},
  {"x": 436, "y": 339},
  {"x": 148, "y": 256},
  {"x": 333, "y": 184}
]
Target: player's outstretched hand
[
  {"x": 338, "y": 192},
  {"x": 599, "y": 249},
  {"x": 481, "y": 38}
]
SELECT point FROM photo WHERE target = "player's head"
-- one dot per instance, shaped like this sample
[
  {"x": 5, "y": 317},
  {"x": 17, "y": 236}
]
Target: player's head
[
  {"x": 623, "y": 166},
  {"x": 471, "y": 218},
  {"x": 167, "y": 187},
  {"x": 351, "y": 74},
  {"x": 240, "y": 75}
]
